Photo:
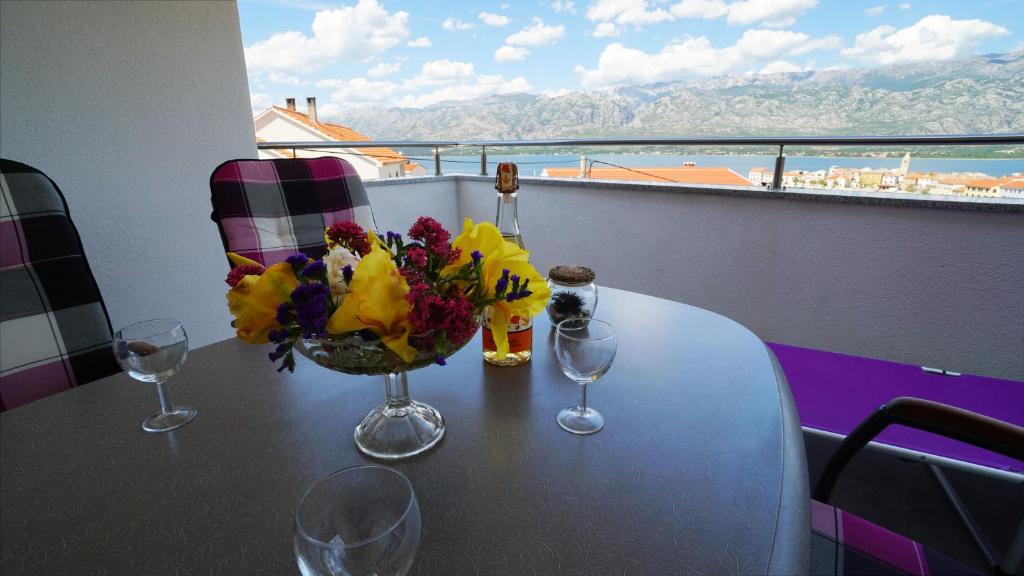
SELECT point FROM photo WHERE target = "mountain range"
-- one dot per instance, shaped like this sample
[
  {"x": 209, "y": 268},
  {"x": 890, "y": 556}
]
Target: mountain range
[{"x": 979, "y": 94}]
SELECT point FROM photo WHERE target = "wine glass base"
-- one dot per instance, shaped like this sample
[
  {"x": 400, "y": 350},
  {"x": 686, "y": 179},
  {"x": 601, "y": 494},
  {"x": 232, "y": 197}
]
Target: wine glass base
[
  {"x": 164, "y": 421},
  {"x": 586, "y": 421},
  {"x": 392, "y": 433}
]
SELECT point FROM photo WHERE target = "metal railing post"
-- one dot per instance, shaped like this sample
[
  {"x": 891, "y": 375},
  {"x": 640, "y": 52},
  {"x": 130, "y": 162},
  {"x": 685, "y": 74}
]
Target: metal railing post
[
  {"x": 437, "y": 161},
  {"x": 780, "y": 165},
  {"x": 483, "y": 160}
]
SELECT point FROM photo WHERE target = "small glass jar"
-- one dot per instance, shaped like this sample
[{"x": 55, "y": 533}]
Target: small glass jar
[{"x": 573, "y": 293}]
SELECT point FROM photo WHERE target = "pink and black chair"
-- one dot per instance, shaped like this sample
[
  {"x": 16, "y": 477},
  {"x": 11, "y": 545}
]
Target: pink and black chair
[
  {"x": 54, "y": 330},
  {"x": 268, "y": 210}
]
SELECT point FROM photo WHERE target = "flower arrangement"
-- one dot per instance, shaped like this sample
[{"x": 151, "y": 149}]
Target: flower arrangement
[{"x": 422, "y": 293}]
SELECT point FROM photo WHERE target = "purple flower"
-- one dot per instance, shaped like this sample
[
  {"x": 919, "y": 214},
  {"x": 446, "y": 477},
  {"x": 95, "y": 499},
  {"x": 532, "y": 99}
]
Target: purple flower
[
  {"x": 315, "y": 269},
  {"x": 278, "y": 352},
  {"x": 502, "y": 283},
  {"x": 311, "y": 308},
  {"x": 476, "y": 256},
  {"x": 282, "y": 312},
  {"x": 346, "y": 273},
  {"x": 281, "y": 335},
  {"x": 297, "y": 260},
  {"x": 440, "y": 360}
]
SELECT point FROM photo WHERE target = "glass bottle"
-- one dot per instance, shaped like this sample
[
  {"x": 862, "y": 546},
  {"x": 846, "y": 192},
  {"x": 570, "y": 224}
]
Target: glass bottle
[{"x": 520, "y": 329}]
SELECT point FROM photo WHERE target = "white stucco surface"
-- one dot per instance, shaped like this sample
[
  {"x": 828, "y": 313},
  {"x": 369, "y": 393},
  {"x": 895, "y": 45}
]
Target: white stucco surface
[{"x": 129, "y": 106}]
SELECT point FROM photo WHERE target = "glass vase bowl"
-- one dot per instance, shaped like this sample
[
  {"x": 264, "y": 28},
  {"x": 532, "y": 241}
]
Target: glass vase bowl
[{"x": 399, "y": 427}]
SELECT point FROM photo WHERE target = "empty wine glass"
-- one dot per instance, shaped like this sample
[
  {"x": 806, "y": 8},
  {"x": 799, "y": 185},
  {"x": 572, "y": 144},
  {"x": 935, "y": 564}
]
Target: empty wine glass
[
  {"x": 153, "y": 351},
  {"x": 585, "y": 349},
  {"x": 358, "y": 521}
]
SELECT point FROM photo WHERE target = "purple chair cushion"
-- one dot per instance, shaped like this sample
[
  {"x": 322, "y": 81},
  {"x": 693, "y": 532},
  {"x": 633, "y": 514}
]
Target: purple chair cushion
[
  {"x": 269, "y": 209},
  {"x": 835, "y": 392},
  {"x": 855, "y": 546},
  {"x": 54, "y": 329}
]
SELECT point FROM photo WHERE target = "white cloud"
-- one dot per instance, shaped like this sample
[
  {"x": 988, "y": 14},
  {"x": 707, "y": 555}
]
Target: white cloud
[
  {"x": 773, "y": 13},
  {"x": 358, "y": 32},
  {"x": 779, "y": 66},
  {"x": 452, "y": 24},
  {"x": 564, "y": 6},
  {"x": 510, "y": 54},
  {"x": 421, "y": 42},
  {"x": 478, "y": 87},
  {"x": 697, "y": 57},
  {"x": 935, "y": 37},
  {"x": 384, "y": 69},
  {"x": 281, "y": 78},
  {"x": 905, "y": 6},
  {"x": 875, "y": 10},
  {"x": 492, "y": 19},
  {"x": 707, "y": 9},
  {"x": 634, "y": 12},
  {"x": 260, "y": 101},
  {"x": 537, "y": 34},
  {"x": 605, "y": 30},
  {"x": 360, "y": 92},
  {"x": 441, "y": 72}
]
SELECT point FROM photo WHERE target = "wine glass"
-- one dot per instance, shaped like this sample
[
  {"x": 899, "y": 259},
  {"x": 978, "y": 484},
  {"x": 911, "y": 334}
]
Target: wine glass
[
  {"x": 358, "y": 521},
  {"x": 585, "y": 349},
  {"x": 153, "y": 351}
]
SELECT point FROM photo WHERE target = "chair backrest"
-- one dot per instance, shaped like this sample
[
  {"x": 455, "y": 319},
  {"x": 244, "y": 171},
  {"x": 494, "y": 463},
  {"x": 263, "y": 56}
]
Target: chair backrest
[
  {"x": 54, "y": 328},
  {"x": 270, "y": 209}
]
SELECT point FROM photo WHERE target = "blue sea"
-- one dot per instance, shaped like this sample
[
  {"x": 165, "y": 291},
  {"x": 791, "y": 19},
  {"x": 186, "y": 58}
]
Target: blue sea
[{"x": 533, "y": 164}]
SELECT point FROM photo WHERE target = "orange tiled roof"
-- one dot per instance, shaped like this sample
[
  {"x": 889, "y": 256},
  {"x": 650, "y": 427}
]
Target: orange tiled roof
[
  {"x": 343, "y": 133},
  {"x": 410, "y": 166},
  {"x": 983, "y": 183},
  {"x": 685, "y": 175}
]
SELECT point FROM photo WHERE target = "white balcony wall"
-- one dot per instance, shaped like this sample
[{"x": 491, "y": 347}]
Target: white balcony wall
[
  {"x": 927, "y": 286},
  {"x": 129, "y": 106}
]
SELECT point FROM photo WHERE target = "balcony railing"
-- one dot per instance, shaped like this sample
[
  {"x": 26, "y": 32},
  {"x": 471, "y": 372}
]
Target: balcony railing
[{"x": 781, "y": 142}]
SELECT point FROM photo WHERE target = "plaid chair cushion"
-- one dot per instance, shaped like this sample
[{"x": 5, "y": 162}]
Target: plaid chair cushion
[
  {"x": 845, "y": 544},
  {"x": 269, "y": 209},
  {"x": 54, "y": 329}
]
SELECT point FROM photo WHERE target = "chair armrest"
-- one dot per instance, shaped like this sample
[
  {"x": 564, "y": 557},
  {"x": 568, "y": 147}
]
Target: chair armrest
[{"x": 948, "y": 421}]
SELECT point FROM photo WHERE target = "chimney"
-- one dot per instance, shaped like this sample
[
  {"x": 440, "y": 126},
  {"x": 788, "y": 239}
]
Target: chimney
[
  {"x": 311, "y": 109},
  {"x": 583, "y": 167},
  {"x": 290, "y": 103}
]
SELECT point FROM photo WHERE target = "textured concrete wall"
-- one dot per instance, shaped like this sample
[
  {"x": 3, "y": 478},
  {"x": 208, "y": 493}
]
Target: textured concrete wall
[
  {"x": 397, "y": 203},
  {"x": 129, "y": 106},
  {"x": 925, "y": 286}
]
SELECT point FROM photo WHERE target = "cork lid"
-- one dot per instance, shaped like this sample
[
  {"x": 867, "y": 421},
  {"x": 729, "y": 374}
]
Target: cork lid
[{"x": 571, "y": 274}]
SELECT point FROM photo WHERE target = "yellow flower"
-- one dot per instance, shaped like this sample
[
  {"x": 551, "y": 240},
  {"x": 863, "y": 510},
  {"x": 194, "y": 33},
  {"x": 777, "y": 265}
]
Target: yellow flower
[
  {"x": 376, "y": 302},
  {"x": 500, "y": 255},
  {"x": 254, "y": 300}
]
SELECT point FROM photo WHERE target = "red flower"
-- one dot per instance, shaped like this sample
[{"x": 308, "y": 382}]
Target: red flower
[
  {"x": 350, "y": 235},
  {"x": 433, "y": 236},
  {"x": 417, "y": 257},
  {"x": 239, "y": 272},
  {"x": 433, "y": 313}
]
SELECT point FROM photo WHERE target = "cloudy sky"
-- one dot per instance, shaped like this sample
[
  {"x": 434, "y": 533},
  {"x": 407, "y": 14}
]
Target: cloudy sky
[{"x": 351, "y": 53}]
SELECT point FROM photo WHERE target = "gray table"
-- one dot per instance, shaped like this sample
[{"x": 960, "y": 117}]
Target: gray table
[{"x": 699, "y": 469}]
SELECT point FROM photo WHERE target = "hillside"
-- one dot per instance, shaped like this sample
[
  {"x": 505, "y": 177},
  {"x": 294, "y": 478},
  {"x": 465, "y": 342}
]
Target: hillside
[{"x": 980, "y": 94}]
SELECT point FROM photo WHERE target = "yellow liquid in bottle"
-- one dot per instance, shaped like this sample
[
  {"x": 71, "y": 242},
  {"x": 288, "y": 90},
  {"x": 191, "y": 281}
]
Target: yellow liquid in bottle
[{"x": 520, "y": 342}]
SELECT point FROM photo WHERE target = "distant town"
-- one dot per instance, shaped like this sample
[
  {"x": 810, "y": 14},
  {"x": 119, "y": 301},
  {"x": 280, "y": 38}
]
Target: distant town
[{"x": 900, "y": 179}]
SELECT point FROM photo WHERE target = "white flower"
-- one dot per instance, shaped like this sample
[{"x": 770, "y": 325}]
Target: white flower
[{"x": 336, "y": 260}]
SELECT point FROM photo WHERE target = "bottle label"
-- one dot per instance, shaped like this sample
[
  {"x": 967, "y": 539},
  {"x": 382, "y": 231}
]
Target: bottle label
[{"x": 520, "y": 334}]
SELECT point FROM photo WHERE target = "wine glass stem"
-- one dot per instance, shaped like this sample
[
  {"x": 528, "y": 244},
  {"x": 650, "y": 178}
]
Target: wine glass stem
[
  {"x": 583, "y": 399},
  {"x": 165, "y": 401}
]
